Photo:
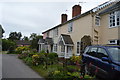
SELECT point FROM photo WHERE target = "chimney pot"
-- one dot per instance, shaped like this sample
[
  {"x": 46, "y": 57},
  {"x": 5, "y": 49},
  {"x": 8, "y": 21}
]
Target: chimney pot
[
  {"x": 63, "y": 18},
  {"x": 76, "y": 10}
]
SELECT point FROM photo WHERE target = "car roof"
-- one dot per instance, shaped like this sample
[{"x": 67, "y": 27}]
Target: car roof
[{"x": 105, "y": 46}]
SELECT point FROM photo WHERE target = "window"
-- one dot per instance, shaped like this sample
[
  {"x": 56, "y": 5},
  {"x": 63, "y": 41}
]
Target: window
[
  {"x": 101, "y": 53},
  {"x": 114, "y": 19},
  {"x": 55, "y": 33},
  {"x": 114, "y": 42},
  {"x": 78, "y": 47},
  {"x": 62, "y": 48},
  {"x": 70, "y": 27},
  {"x": 55, "y": 47},
  {"x": 97, "y": 21}
]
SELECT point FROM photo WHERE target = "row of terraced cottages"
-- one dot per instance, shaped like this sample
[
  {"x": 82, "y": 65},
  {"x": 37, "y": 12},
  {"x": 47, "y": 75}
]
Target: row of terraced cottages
[{"x": 100, "y": 25}]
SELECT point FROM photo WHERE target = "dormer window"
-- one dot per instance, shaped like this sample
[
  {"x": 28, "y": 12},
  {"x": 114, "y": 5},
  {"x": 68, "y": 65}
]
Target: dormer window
[{"x": 114, "y": 19}]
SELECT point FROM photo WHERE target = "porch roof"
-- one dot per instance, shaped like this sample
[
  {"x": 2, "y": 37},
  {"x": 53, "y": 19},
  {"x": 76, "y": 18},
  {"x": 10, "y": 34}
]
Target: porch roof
[
  {"x": 41, "y": 41},
  {"x": 47, "y": 41},
  {"x": 67, "y": 39}
]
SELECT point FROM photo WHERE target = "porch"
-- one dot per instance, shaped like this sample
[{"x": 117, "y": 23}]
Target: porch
[
  {"x": 65, "y": 44},
  {"x": 46, "y": 44}
]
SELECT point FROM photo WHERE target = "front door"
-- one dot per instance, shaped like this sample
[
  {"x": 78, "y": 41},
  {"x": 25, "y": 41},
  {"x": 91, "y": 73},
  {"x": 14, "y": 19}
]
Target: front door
[{"x": 69, "y": 51}]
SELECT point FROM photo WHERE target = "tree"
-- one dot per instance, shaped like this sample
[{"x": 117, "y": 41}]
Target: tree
[
  {"x": 15, "y": 36},
  {"x": 8, "y": 45},
  {"x": 34, "y": 40},
  {"x": 25, "y": 38},
  {"x": 33, "y": 36},
  {"x": 19, "y": 35}
]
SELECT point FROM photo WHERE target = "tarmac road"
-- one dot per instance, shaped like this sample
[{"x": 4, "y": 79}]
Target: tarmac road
[{"x": 12, "y": 67}]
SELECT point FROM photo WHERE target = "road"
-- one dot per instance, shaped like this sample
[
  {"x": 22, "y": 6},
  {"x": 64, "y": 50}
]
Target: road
[{"x": 12, "y": 67}]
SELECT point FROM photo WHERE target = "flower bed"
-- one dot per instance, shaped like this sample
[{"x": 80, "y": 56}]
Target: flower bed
[{"x": 50, "y": 67}]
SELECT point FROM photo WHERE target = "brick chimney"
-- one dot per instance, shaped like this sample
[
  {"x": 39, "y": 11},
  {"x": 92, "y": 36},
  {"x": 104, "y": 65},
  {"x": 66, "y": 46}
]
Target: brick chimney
[
  {"x": 63, "y": 18},
  {"x": 76, "y": 10}
]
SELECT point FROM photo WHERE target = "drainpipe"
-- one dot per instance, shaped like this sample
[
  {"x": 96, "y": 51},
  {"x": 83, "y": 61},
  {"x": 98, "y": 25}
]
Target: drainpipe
[{"x": 92, "y": 27}]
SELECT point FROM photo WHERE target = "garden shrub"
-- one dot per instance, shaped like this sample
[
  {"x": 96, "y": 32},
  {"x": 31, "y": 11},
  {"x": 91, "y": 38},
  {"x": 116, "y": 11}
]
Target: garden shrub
[
  {"x": 43, "y": 51},
  {"x": 75, "y": 59},
  {"x": 71, "y": 68},
  {"x": 23, "y": 55},
  {"x": 28, "y": 60},
  {"x": 11, "y": 50},
  {"x": 36, "y": 59},
  {"x": 21, "y": 49},
  {"x": 31, "y": 54},
  {"x": 34, "y": 50},
  {"x": 53, "y": 57},
  {"x": 60, "y": 75}
]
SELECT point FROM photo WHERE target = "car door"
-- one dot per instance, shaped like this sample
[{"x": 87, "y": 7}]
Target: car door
[
  {"x": 103, "y": 67},
  {"x": 91, "y": 59}
]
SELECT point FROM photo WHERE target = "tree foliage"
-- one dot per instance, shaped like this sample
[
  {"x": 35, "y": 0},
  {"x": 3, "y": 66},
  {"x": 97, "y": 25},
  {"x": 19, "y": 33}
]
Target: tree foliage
[
  {"x": 8, "y": 45},
  {"x": 25, "y": 38},
  {"x": 15, "y": 36},
  {"x": 34, "y": 38}
]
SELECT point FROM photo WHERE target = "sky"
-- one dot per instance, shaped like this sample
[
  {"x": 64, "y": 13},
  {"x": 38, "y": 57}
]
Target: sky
[{"x": 36, "y": 16}]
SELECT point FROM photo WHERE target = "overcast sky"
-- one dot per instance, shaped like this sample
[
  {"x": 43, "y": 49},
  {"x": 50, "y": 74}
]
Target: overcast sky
[{"x": 36, "y": 16}]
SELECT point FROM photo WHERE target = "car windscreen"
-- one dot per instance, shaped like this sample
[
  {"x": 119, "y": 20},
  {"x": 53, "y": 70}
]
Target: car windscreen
[{"x": 115, "y": 53}]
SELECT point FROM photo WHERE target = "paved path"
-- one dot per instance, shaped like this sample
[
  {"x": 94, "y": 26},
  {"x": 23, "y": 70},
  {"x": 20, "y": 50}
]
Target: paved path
[{"x": 12, "y": 67}]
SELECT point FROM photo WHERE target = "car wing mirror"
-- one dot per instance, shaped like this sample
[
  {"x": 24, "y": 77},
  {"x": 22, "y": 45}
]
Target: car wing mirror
[{"x": 105, "y": 59}]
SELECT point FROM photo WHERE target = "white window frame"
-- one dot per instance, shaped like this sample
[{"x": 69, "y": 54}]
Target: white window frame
[
  {"x": 70, "y": 27},
  {"x": 113, "y": 42},
  {"x": 97, "y": 20},
  {"x": 114, "y": 15}
]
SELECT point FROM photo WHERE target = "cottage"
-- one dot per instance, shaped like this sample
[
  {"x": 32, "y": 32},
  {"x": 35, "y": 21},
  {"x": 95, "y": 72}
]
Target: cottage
[{"x": 99, "y": 25}]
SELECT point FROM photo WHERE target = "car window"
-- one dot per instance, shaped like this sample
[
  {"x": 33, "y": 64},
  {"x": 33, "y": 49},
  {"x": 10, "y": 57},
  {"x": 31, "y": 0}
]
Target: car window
[
  {"x": 87, "y": 49},
  {"x": 115, "y": 53},
  {"x": 92, "y": 51},
  {"x": 101, "y": 53}
]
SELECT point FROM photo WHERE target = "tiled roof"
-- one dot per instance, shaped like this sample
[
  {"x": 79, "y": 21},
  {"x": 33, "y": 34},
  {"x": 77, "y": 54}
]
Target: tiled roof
[
  {"x": 67, "y": 39},
  {"x": 115, "y": 7},
  {"x": 22, "y": 42}
]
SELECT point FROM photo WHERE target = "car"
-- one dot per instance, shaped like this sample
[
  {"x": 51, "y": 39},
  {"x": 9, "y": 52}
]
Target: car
[{"x": 102, "y": 61}]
